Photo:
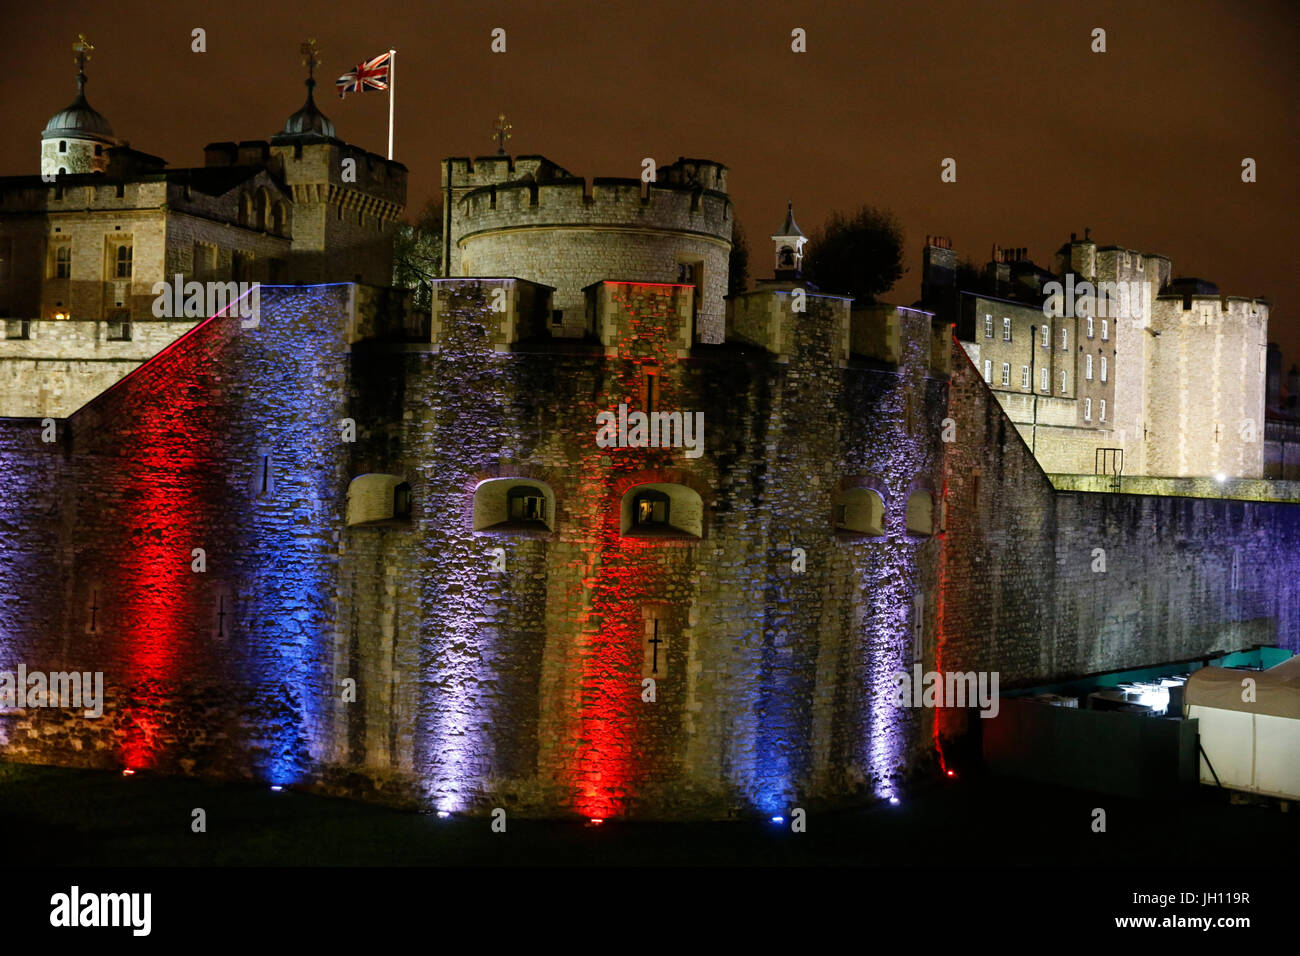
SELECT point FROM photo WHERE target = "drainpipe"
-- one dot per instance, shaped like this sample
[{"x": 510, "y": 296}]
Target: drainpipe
[
  {"x": 446, "y": 221},
  {"x": 1033, "y": 431}
]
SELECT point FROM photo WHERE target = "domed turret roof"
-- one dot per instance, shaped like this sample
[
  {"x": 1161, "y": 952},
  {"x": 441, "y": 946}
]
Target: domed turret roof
[
  {"x": 79, "y": 119},
  {"x": 308, "y": 123}
]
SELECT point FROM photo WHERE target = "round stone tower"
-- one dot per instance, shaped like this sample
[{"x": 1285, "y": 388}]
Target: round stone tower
[
  {"x": 528, "y": 218},
  {"x": 77, "y": 139}
]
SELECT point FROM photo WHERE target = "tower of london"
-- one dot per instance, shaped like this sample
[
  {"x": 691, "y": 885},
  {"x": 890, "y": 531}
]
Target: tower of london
[{"x": 437, "y": 560}]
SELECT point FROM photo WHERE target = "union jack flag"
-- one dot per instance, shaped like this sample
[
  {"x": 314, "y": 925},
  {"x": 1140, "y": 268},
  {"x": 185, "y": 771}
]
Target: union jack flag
[{"x": 370, "y": 75}]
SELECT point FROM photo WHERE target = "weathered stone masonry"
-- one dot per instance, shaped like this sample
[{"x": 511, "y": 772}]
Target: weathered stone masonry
[{"x": 478, "y": 688}]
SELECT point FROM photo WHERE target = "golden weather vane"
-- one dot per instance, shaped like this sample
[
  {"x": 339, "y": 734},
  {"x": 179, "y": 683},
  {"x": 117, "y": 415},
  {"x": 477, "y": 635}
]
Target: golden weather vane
[
  {"x": 83, "y": 48},
  {"x": 502, "y": 133},
  {"x": 309, "y": 58}
]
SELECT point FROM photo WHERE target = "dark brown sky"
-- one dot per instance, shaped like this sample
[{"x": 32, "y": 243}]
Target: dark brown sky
[{"x": 1143, "y": 143}]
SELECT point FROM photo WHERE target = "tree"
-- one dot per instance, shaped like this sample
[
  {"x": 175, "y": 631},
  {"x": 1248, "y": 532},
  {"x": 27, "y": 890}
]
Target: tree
[
  {"x": 738, "y": 266},
  {"x": 417, "y": 253},
  {"x": 859, "y": 254}
]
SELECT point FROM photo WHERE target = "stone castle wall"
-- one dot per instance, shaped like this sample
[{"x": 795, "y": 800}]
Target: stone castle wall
[
  {"x": 398, "y": 660},
  {"x": 1205, "y": 407},
  {"x": 1024, "y": 593},
  {"x": 63, "y": 364}
]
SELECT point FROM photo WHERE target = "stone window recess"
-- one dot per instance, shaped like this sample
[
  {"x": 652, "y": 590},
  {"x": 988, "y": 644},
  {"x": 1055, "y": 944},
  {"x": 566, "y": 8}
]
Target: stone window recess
[
  {"x": 526, "y": 503},
  {"x": 920, "y": 513},
  {"x": 514, "y": 504},
  {"x": 262, "y": 479},
  {"x": 119, "y": 326},
  {"x": 662, "y": 510},
  {"x": 651, "y": 508},
  {"x": 378, "y": 498},
  {"x": 650, "y": 396},
  {"x": 63, "y": 262},
  {"x": 17, "y": 329},
  {"x": 918, "y": 628},
  {"x": 859, "y": 511},
  {"x": 94, "y": 610},
  {"x": 655, "y": 663},
  {"x": 123, "y": 262}
]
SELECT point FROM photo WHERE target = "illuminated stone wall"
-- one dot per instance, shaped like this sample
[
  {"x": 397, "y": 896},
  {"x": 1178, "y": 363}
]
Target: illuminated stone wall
[
  {"x": 1024, "y": 591},
  {"x": 408, "y": 660}
]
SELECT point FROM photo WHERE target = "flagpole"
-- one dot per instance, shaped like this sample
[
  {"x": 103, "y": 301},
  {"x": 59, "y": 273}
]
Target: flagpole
[{"x": 392, "y": 88}]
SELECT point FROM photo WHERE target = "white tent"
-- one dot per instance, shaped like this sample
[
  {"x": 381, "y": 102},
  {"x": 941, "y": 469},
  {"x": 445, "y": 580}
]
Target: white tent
[{"x": 1249, "y": 723}]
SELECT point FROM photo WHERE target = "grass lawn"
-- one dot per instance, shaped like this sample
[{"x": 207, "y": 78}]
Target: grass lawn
[{"x": 90, "y": 818}]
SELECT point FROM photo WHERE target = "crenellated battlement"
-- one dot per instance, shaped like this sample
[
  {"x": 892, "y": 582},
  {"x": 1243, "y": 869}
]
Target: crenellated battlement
[
  {"x": 528, "y": 217},
  {"x": 605, "y": 202},
  {"x": 1224, "y": 306}
]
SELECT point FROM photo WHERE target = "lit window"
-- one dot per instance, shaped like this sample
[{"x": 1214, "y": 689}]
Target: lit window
[
  {"x": 526, "y": 503},
  {"x": 1045, "y": 380},
  {"x": 1006, "y": 330},
  {"x": 1065, "y": 340},
  {"x": 988, "y": 370},
  {"x": 988, "y": 326},
  {"x": 1047, "y": 336},
  {"x": 1087, "y": 367},
  {"x": 1064, "y": 383},
  {"x": 1087, "y": 409},
  {"x": 1024, "y": 376},
  {"x": 1103, "y": 368},
  {"x": 1006, "y": 373},
  {"x": 1089, "y": 326},
  {"x": 1105, "y": 330},
  {"x": 1102, "y": 416},
  {"x": 508, "y": 505},
  {"x": 650, "y": 508}
]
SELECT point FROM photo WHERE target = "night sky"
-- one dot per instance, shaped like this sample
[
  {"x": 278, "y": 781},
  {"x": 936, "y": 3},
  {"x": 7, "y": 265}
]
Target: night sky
[{"x": 1143, "y": 143}]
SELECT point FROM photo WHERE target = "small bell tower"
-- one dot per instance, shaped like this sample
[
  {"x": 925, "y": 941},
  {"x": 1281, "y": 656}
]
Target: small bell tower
[{"x": 788, "y": 246}]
